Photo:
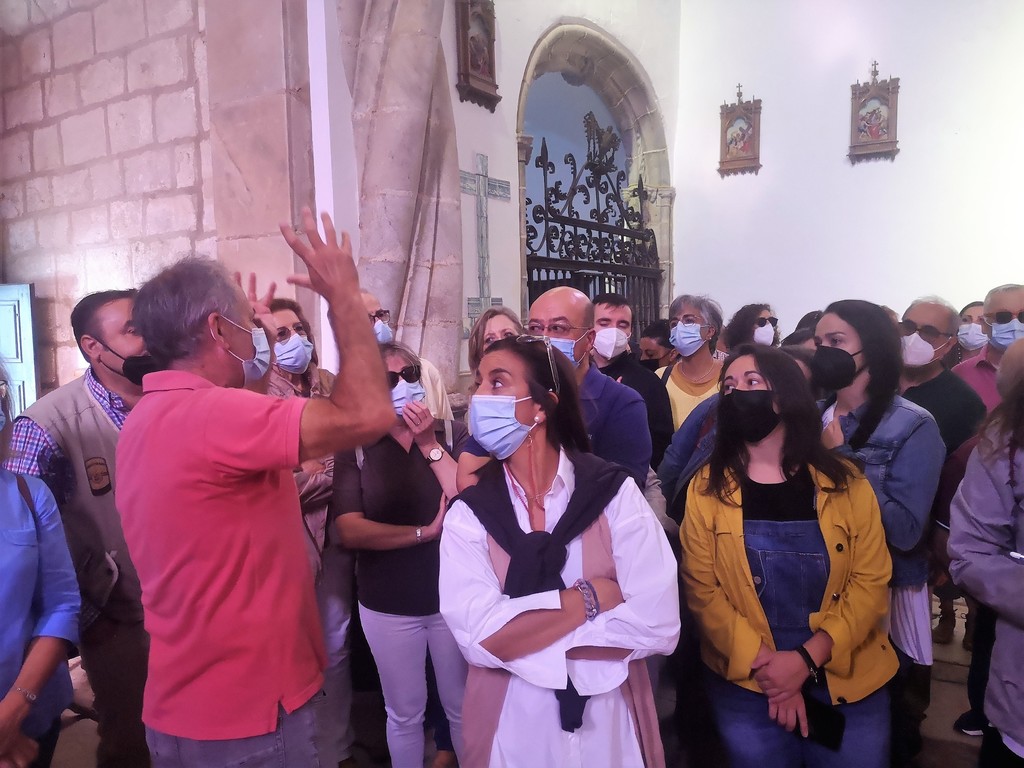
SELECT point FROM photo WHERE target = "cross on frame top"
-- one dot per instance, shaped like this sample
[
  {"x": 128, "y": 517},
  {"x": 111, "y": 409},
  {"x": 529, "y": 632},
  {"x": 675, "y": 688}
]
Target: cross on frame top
[
  {"x": 739, "y": 93},
  {"x": 874, "y": 72},
  {"x": 482, "y": 186}
]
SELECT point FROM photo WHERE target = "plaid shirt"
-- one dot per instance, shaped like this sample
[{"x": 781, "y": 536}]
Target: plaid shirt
[{"x": 33, "y": 451}]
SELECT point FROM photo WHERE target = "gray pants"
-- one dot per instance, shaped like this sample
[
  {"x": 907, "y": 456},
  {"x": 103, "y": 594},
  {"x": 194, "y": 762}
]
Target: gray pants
[
  {"x": 334, "y": 596},
  {"x": 291, "y": 745}
]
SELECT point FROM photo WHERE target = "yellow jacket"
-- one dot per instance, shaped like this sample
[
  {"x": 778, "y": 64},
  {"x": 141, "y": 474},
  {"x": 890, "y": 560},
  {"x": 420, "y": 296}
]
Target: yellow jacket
[{"x": 720, "y": 588}]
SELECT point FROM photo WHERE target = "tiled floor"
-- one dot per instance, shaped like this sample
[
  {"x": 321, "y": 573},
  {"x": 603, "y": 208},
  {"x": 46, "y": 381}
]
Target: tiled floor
[{"x": 944, "y": 748}]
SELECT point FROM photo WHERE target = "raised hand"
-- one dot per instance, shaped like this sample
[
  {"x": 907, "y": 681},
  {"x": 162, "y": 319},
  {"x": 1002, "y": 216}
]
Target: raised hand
[
  {"x": 261, "y": 305},
  {"x": 331, "y": 267}
]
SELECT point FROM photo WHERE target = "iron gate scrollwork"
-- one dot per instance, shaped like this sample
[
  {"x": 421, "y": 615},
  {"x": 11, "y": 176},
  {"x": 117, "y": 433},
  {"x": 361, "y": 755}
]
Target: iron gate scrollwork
[{"x": 612, "y": 250}]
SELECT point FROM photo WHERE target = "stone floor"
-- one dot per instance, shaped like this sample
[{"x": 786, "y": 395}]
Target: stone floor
[{"x": 944, "y": 748}]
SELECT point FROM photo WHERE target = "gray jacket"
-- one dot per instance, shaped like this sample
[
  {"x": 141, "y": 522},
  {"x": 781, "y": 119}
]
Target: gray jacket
[{"x": 986, "y": 525}]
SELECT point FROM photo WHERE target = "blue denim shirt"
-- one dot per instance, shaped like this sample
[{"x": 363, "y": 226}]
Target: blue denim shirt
[
  {"x": 38, "y": 592},
  {"x": 902, "y": 460},
  {"x": 689, "y": 451}
]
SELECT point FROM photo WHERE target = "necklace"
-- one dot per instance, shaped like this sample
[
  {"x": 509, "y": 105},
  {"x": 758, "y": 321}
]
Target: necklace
[
  {"x": 522, "y": 495},
  {"x": 700, "y": 378}
]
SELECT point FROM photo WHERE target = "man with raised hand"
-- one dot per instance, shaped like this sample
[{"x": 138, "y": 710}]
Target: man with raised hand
[{"x": 211, "y": 514}]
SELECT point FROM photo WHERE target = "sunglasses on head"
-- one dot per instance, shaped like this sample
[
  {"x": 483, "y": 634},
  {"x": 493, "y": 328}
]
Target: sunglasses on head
[
  {"x": 411, "y": 374},
  {"x": 762, "y": 320},
  {"x": 1003, "y": 317},
  {"x": 528, "y": 339}
]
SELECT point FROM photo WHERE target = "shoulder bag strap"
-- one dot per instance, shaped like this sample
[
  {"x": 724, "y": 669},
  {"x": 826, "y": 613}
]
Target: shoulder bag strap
[{"x": 27, "y": 496}]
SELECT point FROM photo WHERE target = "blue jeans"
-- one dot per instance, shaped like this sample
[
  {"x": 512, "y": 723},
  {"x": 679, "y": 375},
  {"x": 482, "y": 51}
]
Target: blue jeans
[
  {"x": 293, "y": 744},
  {"x": 753, "y": 739}
]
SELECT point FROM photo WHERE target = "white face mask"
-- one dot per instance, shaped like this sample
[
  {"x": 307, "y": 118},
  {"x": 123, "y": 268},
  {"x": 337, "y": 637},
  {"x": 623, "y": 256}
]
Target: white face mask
[
  {"x": 916, "y": 351},
  {"x": 609, "y": 343},
  {"x": 971, "y": 336},
  {"x": 765, "y": 334}
]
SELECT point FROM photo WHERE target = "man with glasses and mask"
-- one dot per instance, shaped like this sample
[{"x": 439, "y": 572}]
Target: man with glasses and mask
[
  {"x": 1003, "y": 323},
  {"x": 929, "y": 329},
  {"x": 69, "y": 438},
  {"x": 615, "y": 415},
  {"x": 433, "y": 382}
]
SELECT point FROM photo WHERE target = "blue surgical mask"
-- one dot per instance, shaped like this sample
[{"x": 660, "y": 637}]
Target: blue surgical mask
[
  {"x": 493, "y": 422},
  {"x": 1004, "y": 334},
  {"x": 404, "y": 393},
  {"x": 687, "y": 338},
  {"x": 567, "y": 347},
  {"x": 294, "y": 354},
  {"x": 257, "y": 368},
  {"x": 382, "y": 331},
  {"x": 971, "y": 336}
]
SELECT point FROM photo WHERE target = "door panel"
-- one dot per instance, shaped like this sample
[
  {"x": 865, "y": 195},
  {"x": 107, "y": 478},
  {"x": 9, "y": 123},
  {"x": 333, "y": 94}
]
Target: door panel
[{"x": 17, "y": 350}]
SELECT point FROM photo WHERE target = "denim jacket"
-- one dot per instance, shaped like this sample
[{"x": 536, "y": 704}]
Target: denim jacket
[
  {"x": 986, "y": 537},
  {"x": 902, "y": 460},
  {"x": 688, "y": 452}
]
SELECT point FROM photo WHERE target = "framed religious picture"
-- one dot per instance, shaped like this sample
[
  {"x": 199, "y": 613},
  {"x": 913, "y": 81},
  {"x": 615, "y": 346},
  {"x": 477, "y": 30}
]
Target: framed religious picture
[
  {"x": 740, "y": 150},
  {"x": 873, "y": 118},
  {"x": 475, "y": 32}
]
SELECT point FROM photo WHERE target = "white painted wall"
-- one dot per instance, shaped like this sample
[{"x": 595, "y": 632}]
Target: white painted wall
[{"x": 944, "y": 218}]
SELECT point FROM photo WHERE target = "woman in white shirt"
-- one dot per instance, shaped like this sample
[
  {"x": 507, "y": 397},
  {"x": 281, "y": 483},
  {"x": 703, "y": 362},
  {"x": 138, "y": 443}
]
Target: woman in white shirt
[{"x": 556, "y": 580}]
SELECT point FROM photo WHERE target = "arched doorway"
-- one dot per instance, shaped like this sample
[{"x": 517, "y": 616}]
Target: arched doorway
[{"x": 585, "y": 54}]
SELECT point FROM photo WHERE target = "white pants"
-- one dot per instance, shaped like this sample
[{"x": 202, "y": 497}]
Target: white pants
[
  {"x": 335, "y": 599},
  {"x": 399, "y": 645}
]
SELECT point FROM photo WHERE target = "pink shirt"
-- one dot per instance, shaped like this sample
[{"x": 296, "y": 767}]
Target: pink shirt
[
  {"x": 980, "y": 375},
  {"x": 211, "y": 517}
]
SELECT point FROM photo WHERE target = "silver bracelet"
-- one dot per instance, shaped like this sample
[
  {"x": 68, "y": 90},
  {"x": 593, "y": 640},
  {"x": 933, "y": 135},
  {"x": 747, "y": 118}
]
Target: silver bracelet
[
  {"x": 419, "y": 535},
  {"x": 29, "y": 696},
  {"x": 591, "y": 606}
]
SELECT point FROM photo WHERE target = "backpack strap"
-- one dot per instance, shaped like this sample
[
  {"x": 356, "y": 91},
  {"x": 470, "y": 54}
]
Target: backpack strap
[{"x": 667, "y": 372}]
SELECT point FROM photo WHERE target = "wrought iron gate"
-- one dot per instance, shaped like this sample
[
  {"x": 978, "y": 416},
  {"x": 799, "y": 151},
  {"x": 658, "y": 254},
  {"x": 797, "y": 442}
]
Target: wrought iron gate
[{"x": 612, "y": 250}]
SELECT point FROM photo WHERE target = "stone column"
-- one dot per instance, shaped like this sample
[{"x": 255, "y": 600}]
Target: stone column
[
  {"x": 261, "y": 140},
  {"x": 659, "y": 218}
]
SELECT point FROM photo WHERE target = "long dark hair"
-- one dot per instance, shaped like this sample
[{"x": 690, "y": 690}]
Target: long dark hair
[
  {"x": 882, "y": 355},
  {"x": 799, "y": 416},
  {"x": 565, "y": 428},
  {"x": 740, "y": 329}
]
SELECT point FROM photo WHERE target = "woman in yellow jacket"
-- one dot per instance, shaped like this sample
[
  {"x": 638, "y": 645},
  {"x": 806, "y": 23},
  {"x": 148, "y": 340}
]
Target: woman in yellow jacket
[{"x": 786, "y": 572}]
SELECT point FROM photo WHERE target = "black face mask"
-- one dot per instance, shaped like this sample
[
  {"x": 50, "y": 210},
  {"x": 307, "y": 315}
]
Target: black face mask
[
  {"x": 832, "y": 368},
  {"x": 748, "y": 414},
  {"x": 652, "y": 365},
  {"x": 137, "y": 366}
]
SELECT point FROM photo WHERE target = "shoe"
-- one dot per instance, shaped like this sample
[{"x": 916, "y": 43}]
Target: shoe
[
  {"x": 942, "y": 633},
  {"x": 970, "y": 723}
]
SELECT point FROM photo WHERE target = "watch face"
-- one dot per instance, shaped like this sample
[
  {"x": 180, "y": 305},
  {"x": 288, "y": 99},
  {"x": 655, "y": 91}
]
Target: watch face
[{"x": 436, "y": 454}]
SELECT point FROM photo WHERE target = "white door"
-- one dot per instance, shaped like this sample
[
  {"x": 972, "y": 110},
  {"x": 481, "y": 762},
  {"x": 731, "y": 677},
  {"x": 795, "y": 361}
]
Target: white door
[{"x": 17, "y": 350}]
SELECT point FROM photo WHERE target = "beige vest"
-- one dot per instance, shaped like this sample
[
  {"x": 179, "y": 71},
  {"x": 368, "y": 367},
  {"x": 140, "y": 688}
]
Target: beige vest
[
  {"x": 486, "y": 687},
  {"x": 88, "y": 439}
]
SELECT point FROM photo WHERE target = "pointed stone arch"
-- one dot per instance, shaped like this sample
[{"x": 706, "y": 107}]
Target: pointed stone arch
[{"x": 585, "y": 54}]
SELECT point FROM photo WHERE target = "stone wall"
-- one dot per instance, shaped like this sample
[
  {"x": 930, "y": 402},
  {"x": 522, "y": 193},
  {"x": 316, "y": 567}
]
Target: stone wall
[{"x": 105, "y": 158}]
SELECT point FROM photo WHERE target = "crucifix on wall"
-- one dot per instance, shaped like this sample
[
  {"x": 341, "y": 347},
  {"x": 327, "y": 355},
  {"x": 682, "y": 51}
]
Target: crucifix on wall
[{"x": 482, "y": 186}]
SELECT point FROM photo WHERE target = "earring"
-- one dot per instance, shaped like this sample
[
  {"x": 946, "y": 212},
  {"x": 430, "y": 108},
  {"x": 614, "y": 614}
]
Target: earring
[{"x": 536, "y": 419}]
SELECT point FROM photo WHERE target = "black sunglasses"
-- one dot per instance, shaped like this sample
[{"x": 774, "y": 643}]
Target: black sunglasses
[
  {"x": 528, "y": 339},
  {"x": 762, "y": 320},
  {"x": 1003, "y": 317},
  {"x": 929, "y": 333},
  {"x": 411, "y": 373}
]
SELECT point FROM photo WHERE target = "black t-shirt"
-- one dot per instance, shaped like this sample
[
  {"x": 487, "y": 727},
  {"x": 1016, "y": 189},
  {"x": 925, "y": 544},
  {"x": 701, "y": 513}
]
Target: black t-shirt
[
  {"x": 956, "y": 407},
  {"x": 790, "y": 500},
  {"x": 626, "y": 369},
  {"x": 400, "y": 488}
]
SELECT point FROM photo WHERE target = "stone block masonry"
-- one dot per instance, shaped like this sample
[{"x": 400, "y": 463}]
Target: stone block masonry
[{"x": 104, "y": 131}]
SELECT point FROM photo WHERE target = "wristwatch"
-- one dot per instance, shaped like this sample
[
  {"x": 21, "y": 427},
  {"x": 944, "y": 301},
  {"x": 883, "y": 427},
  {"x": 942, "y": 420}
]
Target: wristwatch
[{"x": 435, "y": 454}]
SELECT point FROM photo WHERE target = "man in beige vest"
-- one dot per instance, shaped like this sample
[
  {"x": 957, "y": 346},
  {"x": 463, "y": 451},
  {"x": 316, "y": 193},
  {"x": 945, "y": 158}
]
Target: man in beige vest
[{"x": 68, "y": 438}]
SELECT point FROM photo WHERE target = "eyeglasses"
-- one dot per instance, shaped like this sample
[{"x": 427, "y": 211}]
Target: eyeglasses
[
  {"x": 929, "y": 333},
  {"x": 411, "y": 374},
  {"x": 284, "y": 332},
  {"x": 686, "y": 320},
  {"x": 539, "y": 329},
  {"x": 1003, "y": 317},
  {"x": 762, "y": 320},
  {"x": 384, "y": 315},
  {"x": 527, "y": 339}
]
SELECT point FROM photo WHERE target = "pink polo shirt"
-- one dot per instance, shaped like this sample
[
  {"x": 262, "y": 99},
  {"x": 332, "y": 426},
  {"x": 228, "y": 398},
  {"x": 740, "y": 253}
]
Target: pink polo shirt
[
  {"x": 211, "y": 517},
  {"x": 980, "y": 375}
]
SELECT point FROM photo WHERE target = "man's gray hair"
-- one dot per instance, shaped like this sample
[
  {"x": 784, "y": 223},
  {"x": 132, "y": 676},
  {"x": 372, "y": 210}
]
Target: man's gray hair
[
  {"x": 1000, "y": 289},
  {"x": 709, "y": 309},
  {"x": 952, "y": 323},
  {"x": 171, "y": 309}
]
